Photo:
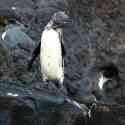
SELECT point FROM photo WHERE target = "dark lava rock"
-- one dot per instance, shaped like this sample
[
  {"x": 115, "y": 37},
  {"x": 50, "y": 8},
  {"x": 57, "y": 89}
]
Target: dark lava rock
[
  {"x": 14, "y": 37},
  {"x": 14, "y": 111},
  {"x": 20, "y": 105},
  {"x": 95, "y": 38}
]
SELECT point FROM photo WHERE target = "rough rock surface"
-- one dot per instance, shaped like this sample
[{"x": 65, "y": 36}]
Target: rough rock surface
[{"x": 96, "y": 37}]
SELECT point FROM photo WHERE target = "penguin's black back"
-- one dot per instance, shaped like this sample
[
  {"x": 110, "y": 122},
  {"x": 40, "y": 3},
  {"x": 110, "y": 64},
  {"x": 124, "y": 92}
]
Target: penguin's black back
[{"x": 109, "y": 70}]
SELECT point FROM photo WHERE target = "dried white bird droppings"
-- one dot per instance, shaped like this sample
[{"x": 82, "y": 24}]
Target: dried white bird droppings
[
  {"x": 11, "y": 94},
  {"x": 13, "y": 8}
]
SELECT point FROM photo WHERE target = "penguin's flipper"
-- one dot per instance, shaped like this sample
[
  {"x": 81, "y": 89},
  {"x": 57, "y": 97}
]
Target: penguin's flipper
[
  {"x": 35, "y": 53},
  {"x": 62, "y": 45},
  {"x": 63, "y": 49}
]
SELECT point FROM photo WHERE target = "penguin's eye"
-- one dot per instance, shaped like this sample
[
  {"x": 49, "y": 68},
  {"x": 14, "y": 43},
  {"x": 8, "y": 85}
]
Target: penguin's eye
[{"x": 56, "y": 25}]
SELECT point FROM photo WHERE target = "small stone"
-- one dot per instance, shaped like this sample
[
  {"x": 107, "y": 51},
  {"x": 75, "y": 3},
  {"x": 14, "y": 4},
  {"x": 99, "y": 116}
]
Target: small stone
[{"x": 14, "y": 37}]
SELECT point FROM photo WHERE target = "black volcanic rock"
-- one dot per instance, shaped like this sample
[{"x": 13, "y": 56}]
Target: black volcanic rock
[{"x": 96, "y": 37}]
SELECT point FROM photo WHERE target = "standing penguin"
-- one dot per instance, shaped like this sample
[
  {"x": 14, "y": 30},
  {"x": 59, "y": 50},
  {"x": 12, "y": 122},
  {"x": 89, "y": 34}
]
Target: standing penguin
[
  {"x": 51, "y": 49},
  {"x": 108, "y": 72}
]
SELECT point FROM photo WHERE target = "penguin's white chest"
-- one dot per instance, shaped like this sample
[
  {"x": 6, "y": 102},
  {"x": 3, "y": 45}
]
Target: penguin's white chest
[
  {"x": 102, "y": 81},
  {"x": 51, "y": 55}
]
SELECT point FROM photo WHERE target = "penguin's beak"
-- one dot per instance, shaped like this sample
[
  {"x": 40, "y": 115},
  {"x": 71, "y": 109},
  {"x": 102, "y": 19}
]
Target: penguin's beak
[
  {"x": 66, "y": 21},
  {"x": 62, "y": 21}
]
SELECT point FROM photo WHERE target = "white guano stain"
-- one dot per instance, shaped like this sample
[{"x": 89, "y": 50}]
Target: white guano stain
[
  {"x": 12, "y": 94},
  {"x": 13, "y": 8}
]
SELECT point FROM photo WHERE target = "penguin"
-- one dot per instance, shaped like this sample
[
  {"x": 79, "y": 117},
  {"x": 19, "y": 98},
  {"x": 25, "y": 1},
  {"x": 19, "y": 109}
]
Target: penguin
[
  {"x": 51, "y": 49},
  {"x": 108, "y": 72}
]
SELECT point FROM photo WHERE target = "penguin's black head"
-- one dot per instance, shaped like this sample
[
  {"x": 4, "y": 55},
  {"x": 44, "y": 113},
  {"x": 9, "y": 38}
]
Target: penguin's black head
[
  {"x": 61, "y": 19},
  {"x": 110, "y": 71}
]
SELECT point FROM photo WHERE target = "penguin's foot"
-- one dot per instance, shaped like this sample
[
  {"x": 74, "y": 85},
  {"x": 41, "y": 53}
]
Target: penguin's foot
[
  {"x": 46, "y": 85},
  {"x": 38, "y": 87},
  {"x": 57, "y": 84}
]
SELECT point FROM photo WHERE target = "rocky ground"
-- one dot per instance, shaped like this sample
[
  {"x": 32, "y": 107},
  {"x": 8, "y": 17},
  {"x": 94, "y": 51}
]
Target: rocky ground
[{"x": 96, "y": 37}]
